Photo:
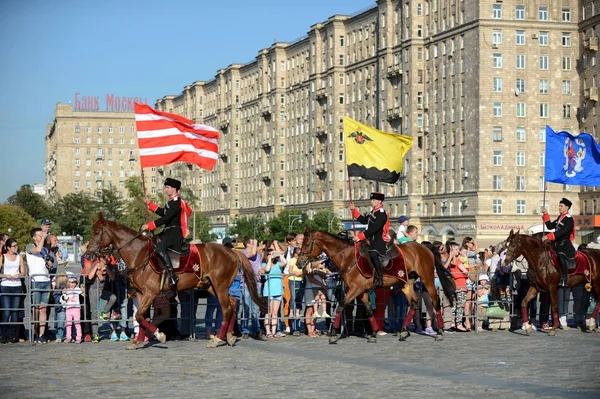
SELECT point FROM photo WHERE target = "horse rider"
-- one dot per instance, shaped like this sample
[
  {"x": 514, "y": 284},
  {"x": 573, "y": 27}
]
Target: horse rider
[
  {"x": 378, "y": 225},
  {"x": 173, "y": 216},
  {"x": 562, "y": 238}
]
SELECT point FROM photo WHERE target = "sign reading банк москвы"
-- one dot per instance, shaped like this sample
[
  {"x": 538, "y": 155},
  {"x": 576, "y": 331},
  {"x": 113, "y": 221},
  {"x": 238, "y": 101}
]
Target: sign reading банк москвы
[{"x": 112, "y": 103}]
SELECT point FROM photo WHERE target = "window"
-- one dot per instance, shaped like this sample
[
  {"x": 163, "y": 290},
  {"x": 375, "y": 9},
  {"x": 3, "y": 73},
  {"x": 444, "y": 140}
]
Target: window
[
  {"x": 543, "y": 39},
  {"x": 544, "y": 110},
  {"x": 497, "y": 183},
  {"x": 497, "y": 37},
  {"x": 497, "y": 158},
  {"x": 76, "y": 184},
  {"x": 566, "y": 15},
  {"x": 520, "y": 158},
  {"x": 520, "y": 207},
  {"x": 520, "y": 38},
  {"x": 542, "y": 135},
  {"x": 566, "y": 87},
  {"x": 88, "y": 140},
  {"x": 520, "y": 133},
  {"x": 566, "y": 111},
  {"x": 542, "y": 159},
  {"x": 99, "y": 130},
  {"x": 88, "y": 162},
  {"x": 497, "y": 60},
  {"x": 544, "y": 62},
  {"x": 341, "y": 41},
  {"x": 77, "y": 129},
  {"x": 497, "y": 85},
  {"x": 520, "y": 86},
  {"x": 77, "y": 140},
  {"x": 110, "y": 129},
  {"x": 543, "y": 86},
  {"x": 520, "y": 13},
  {"x": 521, "y": 110},
  {"x": 341, "y": 60},
  {"x": 497, "y": 133},
  {"x": 121, "y": 129},
  {"x": 566, "y": 63},
  {"x": 77, "y": 162},
  {"x": 497, "y": 207},
  {"x": 566, "y": 39},
  {"x": 543, "y": 13},
  {"x": 497, "y": 112},
  {"x": 497, "y": 11},
  {"x": 282, "y": 148},
  {"x": 89, "y": 129},
  {"x": 520, "y": 61},
  {"x": 520, "y": 183}
]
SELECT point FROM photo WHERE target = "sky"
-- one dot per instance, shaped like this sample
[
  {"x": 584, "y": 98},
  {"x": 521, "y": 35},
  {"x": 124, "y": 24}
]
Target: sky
[{"x": 52, "y": 49}]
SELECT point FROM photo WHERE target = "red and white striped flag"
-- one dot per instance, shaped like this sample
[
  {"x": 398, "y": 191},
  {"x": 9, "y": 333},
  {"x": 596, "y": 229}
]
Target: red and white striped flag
[{"x": 165, "y": 138}]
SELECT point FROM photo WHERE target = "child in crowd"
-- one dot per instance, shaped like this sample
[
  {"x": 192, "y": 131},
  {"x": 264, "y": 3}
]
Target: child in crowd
[
  {"x": 483, "y": 299},
  {"x": 70, "y": 298},
  {"x": 59, "y": 283}
]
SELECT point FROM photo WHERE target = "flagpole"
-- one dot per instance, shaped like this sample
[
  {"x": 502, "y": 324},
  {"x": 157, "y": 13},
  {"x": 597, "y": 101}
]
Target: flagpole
[
  {"x": 350, "y": 196},
  {"x": 145, "y": 195}
]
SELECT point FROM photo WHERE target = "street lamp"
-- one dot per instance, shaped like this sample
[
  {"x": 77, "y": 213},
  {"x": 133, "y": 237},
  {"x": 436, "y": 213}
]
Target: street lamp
[
  {"x": 292, "y": 219},
  {"x": 256, "y": 220},
  {"x": 330, "y": 218}
]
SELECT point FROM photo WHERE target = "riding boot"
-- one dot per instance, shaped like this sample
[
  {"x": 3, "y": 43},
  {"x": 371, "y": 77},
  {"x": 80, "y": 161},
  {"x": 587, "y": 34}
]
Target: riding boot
[
  {"x": 564, "y": 273},
  {"x": 169, "y": 266},
  {"x": 377, "y": 272}
]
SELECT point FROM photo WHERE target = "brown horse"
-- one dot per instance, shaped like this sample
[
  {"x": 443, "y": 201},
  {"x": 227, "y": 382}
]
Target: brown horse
[
  {"x": 419, "y": 263},
  {"x": 543, "y": 275},
  {"x": 217, "y": 270}
]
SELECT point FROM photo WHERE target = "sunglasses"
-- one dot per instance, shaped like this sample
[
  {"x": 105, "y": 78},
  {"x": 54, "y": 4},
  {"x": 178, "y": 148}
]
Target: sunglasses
[{"x": 14, "y": 246}]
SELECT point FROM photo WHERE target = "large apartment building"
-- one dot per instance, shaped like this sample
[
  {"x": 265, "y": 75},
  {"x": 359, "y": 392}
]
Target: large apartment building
[{"x": 87, "y": 151}]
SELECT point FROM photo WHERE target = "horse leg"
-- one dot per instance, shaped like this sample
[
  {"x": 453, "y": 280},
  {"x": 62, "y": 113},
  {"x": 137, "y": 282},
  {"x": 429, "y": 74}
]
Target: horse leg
[
  {"x": 531, "y": 293},
  {"x": 553, "y": 291},
  {"x": 592, "y": 321},
  {"x": 438, "y": 320},
  {"x": 413, "y": 301},
  {"x": 352, "y": 293},
  {"x": 146, "y": 324},
  {"x": 364, "y": 298},
  {"x": 222, "y": 294},
  {"x": 230, "y": 335}
]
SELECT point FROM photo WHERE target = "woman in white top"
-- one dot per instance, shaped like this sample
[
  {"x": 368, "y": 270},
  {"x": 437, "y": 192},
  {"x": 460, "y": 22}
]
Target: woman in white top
[{"x": 13, "y": 268}]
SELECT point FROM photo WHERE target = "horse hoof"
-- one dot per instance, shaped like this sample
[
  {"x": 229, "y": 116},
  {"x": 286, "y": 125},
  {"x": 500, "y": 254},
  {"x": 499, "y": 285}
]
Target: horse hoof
[
  {"x": 551, "y": 333},
  {"x": 231, "y": 340},
  {"x": 215, "y": 343},
  {"x": 131, "y": 346},
  {"x": 372, "y": 340},
  {"x": 404, "y": 335},
  {"x": 333, "y": 339},
  {"x": 439, "y": 337},
  {"x": 161, "y": 337},
  {"x": 592, "y": 324}
]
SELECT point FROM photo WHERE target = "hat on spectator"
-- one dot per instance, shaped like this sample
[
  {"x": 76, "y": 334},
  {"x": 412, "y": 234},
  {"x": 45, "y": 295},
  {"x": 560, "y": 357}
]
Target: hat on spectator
[
  {"x": 403, "y": 219},
  {"x": 566, "y": 202},
  {"x": 484, "y": 276},
  {"x": 176, "y": 184},
  {"x": 46, "y": 221},
  {"x": 228, "y": 242},
  {"x": 377, "y": 196}
]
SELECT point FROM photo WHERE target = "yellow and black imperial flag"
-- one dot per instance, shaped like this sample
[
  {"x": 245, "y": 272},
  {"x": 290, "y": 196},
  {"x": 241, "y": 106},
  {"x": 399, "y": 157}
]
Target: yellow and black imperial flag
[{"x": 373, "y": 154}]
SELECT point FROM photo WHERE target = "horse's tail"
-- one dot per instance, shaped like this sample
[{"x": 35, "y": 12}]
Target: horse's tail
[
  {"x": 250, "y": 280},
  {"x": 447, "y": 282}
]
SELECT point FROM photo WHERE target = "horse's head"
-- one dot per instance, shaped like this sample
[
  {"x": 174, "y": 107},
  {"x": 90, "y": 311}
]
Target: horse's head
[
  {"x": 99, "y": 238},
  {"x": 513, "y": 246},
  {"x": 310, "y": 249}
]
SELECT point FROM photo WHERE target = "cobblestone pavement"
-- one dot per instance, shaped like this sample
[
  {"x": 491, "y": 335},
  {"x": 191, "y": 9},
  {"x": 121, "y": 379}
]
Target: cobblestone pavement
[{"x": 464, "y": 365}]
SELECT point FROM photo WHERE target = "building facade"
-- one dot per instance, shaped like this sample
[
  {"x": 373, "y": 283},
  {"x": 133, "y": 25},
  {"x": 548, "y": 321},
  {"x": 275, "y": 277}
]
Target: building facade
[{"x": 91, "y": 151}]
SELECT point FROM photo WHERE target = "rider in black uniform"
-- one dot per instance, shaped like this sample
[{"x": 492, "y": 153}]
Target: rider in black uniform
[
  {"x": 562, "y": 238},
  {"x": 378, "y": 224},
  {"x": 170, "y": 218}
]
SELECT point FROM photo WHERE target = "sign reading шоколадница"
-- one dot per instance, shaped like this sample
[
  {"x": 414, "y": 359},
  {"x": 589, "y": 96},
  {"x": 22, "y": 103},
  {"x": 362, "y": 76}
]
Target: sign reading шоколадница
[{"x": 112, "y": 103}]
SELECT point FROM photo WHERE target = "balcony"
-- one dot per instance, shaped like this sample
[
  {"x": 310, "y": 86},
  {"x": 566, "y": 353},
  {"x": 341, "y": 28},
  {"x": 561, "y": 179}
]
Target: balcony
[
  {"x": 591, "y": 43},
  {"x": 223, "y": 156},
  {"x": 320, "y": 131},
  {"x": 223, "y": 184},
  {"x": 265, "y": 112},
  {"x": 265, "y": 143},
  {"x": 265, "y": 176},
  {"x": 99, "y": 157},
  {"x": 394, "y": 71},
  {"x": 393, "y": 113},
  {"x": 591, "y": 93},
  {"x": 419, "y": 106},
  {"x": 224, "y": 124},
  {"x": 98, "y": 179},
  {"x": 131, "y": 157},
  {"x": 321, "y": 94}
]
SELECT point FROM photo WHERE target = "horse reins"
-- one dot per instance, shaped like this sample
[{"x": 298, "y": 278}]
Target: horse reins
[{"x": 311, "y": 258}]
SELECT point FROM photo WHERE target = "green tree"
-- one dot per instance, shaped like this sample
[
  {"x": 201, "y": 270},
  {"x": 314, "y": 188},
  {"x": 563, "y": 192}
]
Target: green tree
[
  {"x": 253, "y": 227},
  {"x": 32, "y": 203},
  {"x": 280, "y": 225},
  {"x": 19, "y": 222},
  {"x": 203, "y": 227},
  {"x": 111, "y": 205},
  {"x": 135, "y": 213},
  {"x": 74, "y": 213},
  {"x": 325, "y": 220}
]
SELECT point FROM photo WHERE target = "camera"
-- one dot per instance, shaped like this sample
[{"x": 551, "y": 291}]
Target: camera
[{"x": 49, "y": 260}]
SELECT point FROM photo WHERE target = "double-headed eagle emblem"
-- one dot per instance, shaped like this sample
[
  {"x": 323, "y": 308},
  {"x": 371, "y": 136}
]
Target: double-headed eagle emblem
[{"x": 360, "y": 137}]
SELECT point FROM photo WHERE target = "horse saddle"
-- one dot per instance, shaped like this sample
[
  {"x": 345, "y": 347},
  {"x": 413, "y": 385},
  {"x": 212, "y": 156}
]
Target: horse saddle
[
  {"x": 392, "y": 263},
  {"x": 579, "y": 265},
  {"x": 177, "y": 258}
]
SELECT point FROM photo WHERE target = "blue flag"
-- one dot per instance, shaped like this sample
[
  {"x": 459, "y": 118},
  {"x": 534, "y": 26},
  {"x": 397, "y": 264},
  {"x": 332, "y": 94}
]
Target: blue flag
[{"x": 573, "y": 160}]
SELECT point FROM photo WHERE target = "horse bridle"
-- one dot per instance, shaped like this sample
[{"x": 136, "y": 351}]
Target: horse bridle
[
  {"x": 128, "y": 271},
  {"x": 312, "y": 244}
]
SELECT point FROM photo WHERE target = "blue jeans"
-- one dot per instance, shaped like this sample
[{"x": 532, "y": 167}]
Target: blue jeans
[
  {"x": 121, "y": 291},
  {"x": 59, "y": 321},
  {"x": 212, "y": 305},
  {"x": 189, "y": 307},
  {"x": 400, "y": 308},
  {"x": 295, "y": 304},
  {"x": 250, "y": 313},
  {"x": 9, "y": 301}
]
